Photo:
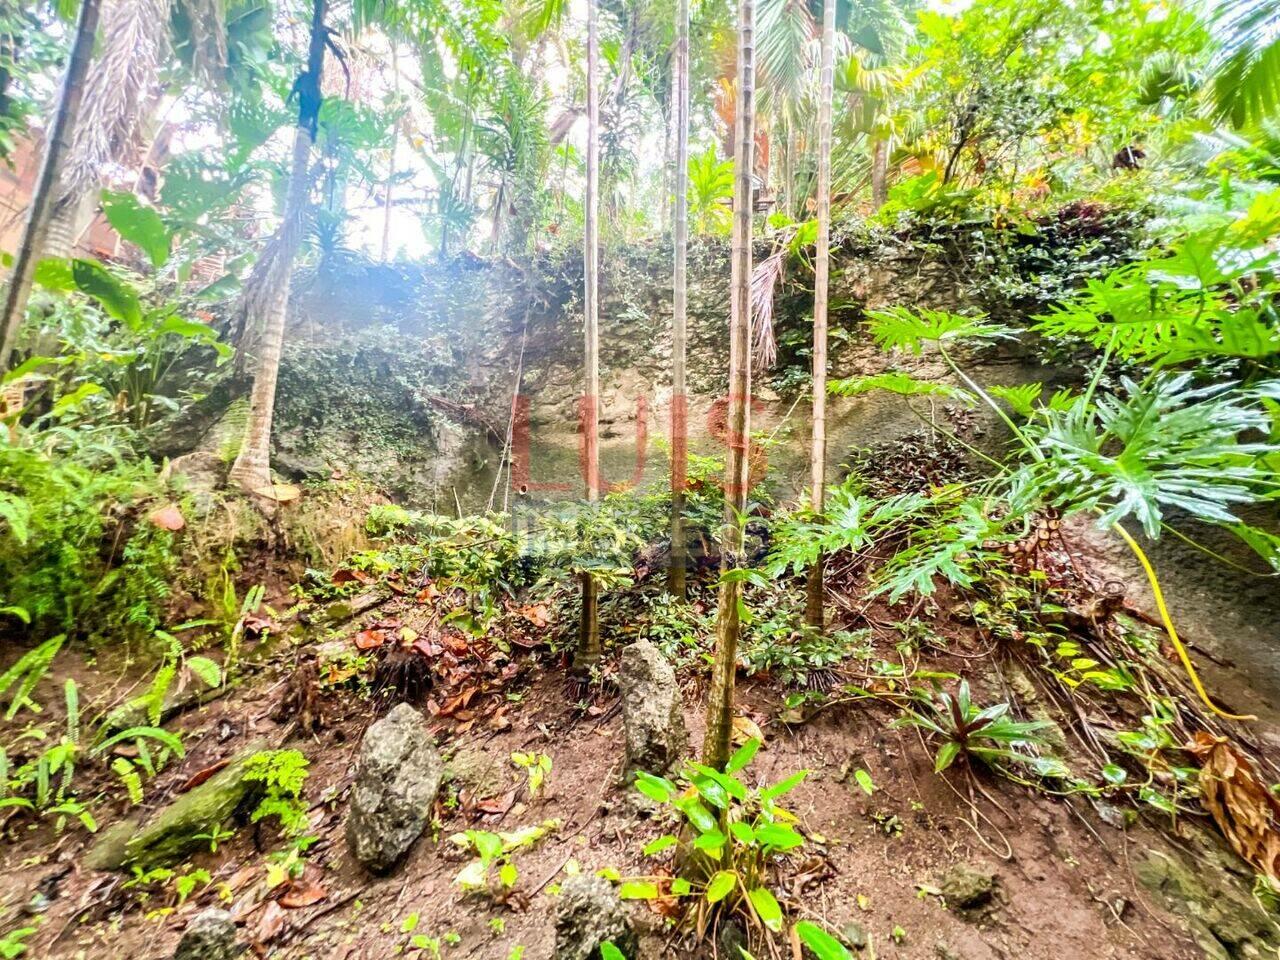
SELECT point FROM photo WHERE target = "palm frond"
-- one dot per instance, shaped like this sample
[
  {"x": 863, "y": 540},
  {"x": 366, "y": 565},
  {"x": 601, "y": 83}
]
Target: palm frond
[
  {"x": 1246, "y": 72},
  {"x": 764, "y": 280},
  {"x": 134, "y": 40}
]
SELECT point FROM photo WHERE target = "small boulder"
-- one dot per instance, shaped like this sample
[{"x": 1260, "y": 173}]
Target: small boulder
[
  {"x": 396, "y": 783},
  {"x": 967, "y": 887},
  {"x": 651, "y": 710},
  {"x": 211, "y": 935},
  {"x": 588, "y": 914}
]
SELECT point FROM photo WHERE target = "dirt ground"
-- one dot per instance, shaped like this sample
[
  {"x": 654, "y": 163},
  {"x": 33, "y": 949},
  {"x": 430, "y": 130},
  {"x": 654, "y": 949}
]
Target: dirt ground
[{"x": 1065, "y": 887}]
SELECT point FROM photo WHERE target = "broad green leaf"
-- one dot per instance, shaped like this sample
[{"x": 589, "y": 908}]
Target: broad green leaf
[
  {"x": 54, "y": 273},
  {"x": 638, "y": 890},
  {"x": 823, "y": 945},
  {"x": 864, "y": 781},
  {"x": 1114, "y": 774},
  {"x": 659, "y": 789},
  {"x": 784, "y": 786},
  {"x": 115, "y": 296},
  {"x": 665, "y": 842},
  {"x": 742, "y": 831},
  {"x": 711, "y": 842},
  {"x": 697, "y": 814},
  {"x": 680, "y": 887},
  {"x": 778, "y": 836},
  {"x": 766, "y": 907},
  {"x": 946, "y": 756},
  {"x": 138, "y": 224},
  {"x": 742, "y": 756},
  {"x": 720, "y": 886},
  {"x": 609, "y": 952}
]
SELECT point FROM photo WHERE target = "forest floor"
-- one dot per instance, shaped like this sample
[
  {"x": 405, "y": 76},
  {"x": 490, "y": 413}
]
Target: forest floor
[{"x": 1069, "y": 878}]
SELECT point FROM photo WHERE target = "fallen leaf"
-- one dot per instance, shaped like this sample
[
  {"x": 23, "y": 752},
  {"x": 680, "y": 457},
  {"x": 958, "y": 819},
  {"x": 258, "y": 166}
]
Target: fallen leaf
[
  {"x": 744, "y": 729},
  {"x": 428, "y": 593},
  {"x": 272, "y": 922},
  {"x": 408, "y": 635},
  {"x": 370, "y": 639},
  {"x": 168, "y": 517},
  {"x": 339, "y": 577},
  {"x": 280, "y": 492},
  {"x": 1246, "y": 812},
  {"x": 536, "y": 614},
  {"x": 302, "y": 893},
  {"x": 202, "y": 775}
]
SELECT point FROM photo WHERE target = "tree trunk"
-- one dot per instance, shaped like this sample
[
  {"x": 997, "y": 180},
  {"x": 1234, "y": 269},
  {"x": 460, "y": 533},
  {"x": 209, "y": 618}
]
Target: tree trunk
[
  {"x": 822, "y": 272},
  {"x": 715, "y": 748},
  {"x": 267, "y": 292},
  {"x": 679, "y": 305},
  {"x": 879, "y": 173},
  {"x": 588, "y": 652},
  {"x": 395, "y": 143},
  {"x": 38, "y": 214}
]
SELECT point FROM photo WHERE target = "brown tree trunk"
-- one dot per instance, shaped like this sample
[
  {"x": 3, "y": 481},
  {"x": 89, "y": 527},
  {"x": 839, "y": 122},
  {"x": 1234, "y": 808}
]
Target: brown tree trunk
[
  {"x": 715, "y": 747},
  {"x": 35, "y": 232},
  {"x": 822, "y": 272},
  {"x": 879, "y": 172},
  {"x": 588, "y": 652},
  {"x": 679, "y": 305},
  {"x": 266, "y": 298}
]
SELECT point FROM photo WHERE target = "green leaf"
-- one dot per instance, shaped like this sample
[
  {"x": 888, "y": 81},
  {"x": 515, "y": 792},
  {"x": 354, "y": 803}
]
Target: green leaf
[
  {"x": 766, "y": 907},
  {"x": 665, "y": 842},
  {"x": 946, "y": 756},
  {"x": 779, "y": 836},
  {"x": 163, "y": 737},
  {"x": 900, "y": 383},
  {"x": 69, "y": 401},
  {"x": 1114, "y": 774},
  {"x": 742, "y": 756},
  {"x": 609, "y": 952},
  {"x": 638, "y": 890},
  {"x": 507, "y": 874},
  {"x": 864, "y": 781},
  {"x": 659, "y": 789},
  {"x": 206, "y": 670},
  {"x": 697, "y": 814},
  {"x": 823, "y": 945},
  {"x": 138, "y": 224},
  {"x": 54, "y": 273},
  {"x": 711, "y": 842},
  {"x": 742, "y": 832},
  {"x": 115, "y": 296},
  {"x": 784, "y": 786},
  {"x": 680, "y": 887},
  {"x": 720, "y": 886}
]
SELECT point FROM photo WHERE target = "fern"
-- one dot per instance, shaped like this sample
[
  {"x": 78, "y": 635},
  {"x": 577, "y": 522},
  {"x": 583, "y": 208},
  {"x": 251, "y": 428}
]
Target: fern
[
  {"x": 26, "y": 673},
  {"x": 169, "y": 741}
]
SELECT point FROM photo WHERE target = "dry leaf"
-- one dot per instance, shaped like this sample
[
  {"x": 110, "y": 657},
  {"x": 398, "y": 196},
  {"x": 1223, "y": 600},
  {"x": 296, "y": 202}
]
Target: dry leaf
[
  {"x": 370, "y": 639},
  {"x": 1238, "y": 800},
  {"x": 201, "y": 776},
  {"x": 302, "y": 893},
  {"x": 340, "y": 577},
  {"x": 168, "y": 517},
  {"x": 273, "y": 921},
  {"x": 280, "y": 492},
  {"x": 744, "y": 729}
]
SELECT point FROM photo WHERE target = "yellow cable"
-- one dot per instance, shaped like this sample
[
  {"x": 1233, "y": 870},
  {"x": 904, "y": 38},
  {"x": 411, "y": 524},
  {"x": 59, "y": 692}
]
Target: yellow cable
[{"x": 1169, "y": 628}]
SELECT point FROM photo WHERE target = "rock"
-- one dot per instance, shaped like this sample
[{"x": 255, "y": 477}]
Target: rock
[
  {"x": 944, "y": 951},
  {"x": 171, "y": 833},
  {"x": 732, "y": 939},
  {"x": 1221, "y": 912},
  {"x": 396, "y": 783},
  {"x": 967, "y": 887},
  {"x": 211, "y": 935},
  {"x": 478, "y": 773},
  {"x": 588, "y": 914},
  {"x": 651, "y": 710},
  {"x": 855, "y": 935}
]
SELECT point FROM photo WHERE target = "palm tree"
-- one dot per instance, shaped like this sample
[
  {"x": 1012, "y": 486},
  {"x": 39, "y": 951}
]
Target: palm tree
[
  {"x": 588, "y": 652},
  {"x": 119, "y": 91},
  {"x": 715, "y": 748},
  {"x": 1246, "y": 72},
  {"x": 42, "y": 200},
  {"x": 265, "y": 301},
  {"x": 679, "y": 308},
  {"x": 822, "y": 270}
]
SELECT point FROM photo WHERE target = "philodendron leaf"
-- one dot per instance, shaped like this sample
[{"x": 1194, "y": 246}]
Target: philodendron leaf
[
  {"x": 720, "y": 886},
  {"x": 138, "y": 224}
]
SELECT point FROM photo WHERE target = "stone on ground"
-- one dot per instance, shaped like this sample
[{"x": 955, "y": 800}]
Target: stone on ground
[
  {"x": 588, "y": 914},
  {"x": 967, "y": 887},
  {"x": 396, "y": 783},
  {"x": 651, "y": 710},
  {"x": 211, "y": 935}
]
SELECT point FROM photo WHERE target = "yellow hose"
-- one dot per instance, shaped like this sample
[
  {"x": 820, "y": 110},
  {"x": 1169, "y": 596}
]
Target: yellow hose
[{"x": 1169, "y": 628}]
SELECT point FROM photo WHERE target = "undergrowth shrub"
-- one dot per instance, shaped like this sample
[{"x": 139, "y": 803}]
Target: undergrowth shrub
[{"x": 76, "y": 553}]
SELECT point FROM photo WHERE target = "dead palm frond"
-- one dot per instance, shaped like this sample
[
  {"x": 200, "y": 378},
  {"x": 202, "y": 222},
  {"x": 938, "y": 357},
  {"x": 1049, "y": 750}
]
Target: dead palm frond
[{"x": 764, "y": 281}]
